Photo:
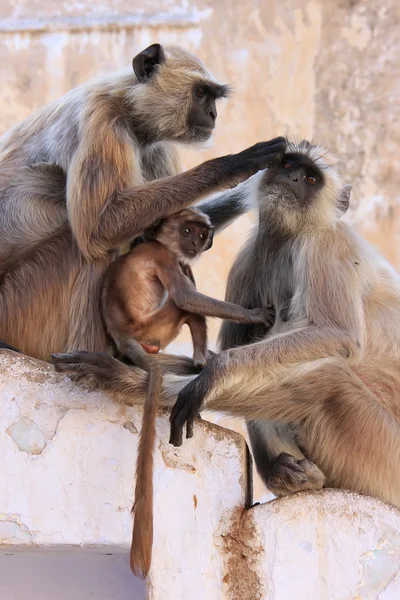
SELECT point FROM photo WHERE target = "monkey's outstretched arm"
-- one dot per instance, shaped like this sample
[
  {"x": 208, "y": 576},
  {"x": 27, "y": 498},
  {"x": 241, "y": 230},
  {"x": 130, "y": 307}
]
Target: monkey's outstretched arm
[
  {"x": 257, "y": 366},
  {"x": 104, "y": 216},
  {"x": 228, "y": 206},
  {"x": 336, "y": 332},
  {"x": 185, "y": 295}
]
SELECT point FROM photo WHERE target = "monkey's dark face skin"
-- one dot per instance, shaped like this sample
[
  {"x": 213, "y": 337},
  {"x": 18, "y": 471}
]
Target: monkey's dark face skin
[
  {"x": 194, "y": 238},
  {"x": 203, "y": 112},
  {"x": 298, "y": 173}
]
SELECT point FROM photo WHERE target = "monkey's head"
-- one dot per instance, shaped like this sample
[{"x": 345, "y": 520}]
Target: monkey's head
[
  {"x": 306, "y": 185},
  {"x": 187, "y": 233},
  {"x": 175, "y": 97}
]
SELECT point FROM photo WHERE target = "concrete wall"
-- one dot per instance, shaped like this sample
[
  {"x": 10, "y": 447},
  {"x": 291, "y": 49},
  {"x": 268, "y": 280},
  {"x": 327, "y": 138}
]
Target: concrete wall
[
  {"x": 66, "y": 489},
  {"x": 323, "y": 69}
]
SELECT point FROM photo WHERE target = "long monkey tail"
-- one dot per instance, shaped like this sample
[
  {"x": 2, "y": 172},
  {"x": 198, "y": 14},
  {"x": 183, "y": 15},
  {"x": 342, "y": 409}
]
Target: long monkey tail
[{"x": 142, "y": 535}]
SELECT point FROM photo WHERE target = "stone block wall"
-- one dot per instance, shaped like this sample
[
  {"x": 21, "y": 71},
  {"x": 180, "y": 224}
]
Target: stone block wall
[{"x": 66, "y": 489}]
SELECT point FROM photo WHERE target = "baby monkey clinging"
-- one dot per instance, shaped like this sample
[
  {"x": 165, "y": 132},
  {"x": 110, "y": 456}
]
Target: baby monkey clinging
[{"x": 148, "y": 295}]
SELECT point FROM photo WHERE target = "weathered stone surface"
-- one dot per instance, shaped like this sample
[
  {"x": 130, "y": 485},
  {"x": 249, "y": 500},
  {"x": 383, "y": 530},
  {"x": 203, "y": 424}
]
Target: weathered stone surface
[
  {"x": 72, "y": 484},
  {"x": 66, "y": 494},
  {"x": 331, "y": 544}
]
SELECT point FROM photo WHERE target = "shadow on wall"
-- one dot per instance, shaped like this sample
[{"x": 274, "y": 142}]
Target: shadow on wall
[{"x": 68, "y": 573}]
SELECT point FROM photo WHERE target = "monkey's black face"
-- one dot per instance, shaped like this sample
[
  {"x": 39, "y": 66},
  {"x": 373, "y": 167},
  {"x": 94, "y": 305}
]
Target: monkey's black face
[
  {"x": 195, "y": 238},
  {"x": 298, "y": 173},
  {"x": 203, "y": 112}
]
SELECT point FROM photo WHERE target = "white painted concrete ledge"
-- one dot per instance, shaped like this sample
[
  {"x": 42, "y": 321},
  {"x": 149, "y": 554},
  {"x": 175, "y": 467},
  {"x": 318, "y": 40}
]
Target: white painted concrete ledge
[{"x": 66, "y": 488}]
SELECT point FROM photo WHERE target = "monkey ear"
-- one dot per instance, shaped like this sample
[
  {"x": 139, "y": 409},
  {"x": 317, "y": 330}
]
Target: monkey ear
[
  {"x": 345, "y": 198},
  {"x": 146, "y": 61},
  {"x": 210, "y": 240},
  {"x": 150, "y": 233}
]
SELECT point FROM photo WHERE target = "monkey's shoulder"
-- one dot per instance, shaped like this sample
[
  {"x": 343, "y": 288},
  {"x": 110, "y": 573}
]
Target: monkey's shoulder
[{"x": 151, "y": 253}]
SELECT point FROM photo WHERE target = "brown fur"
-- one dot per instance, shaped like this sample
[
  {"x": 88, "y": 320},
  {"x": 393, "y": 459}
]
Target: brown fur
[
  {"x": 106, "y": 144},
  {"x": 138, "y": 315},
  {"x": 326, "y": 376}
]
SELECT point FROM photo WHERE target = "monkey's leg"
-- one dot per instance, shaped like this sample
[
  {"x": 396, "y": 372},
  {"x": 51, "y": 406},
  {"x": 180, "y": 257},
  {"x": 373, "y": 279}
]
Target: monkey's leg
[
  {"x": 179, "y": 365},
  {"x": 163, "y": 324},
  {"x": 279, "y": 461},
  {"x": 131, "y": 349},
  {"x": 198, "y": 329},
  {"x": 338, "y": 413}
]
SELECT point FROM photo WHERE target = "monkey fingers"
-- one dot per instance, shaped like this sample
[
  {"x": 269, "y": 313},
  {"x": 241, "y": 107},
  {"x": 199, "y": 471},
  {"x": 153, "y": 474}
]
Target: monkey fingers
[
  {"x": 263, "y": 154},
  {"x": 186, "y": 409},
  {"x": 269, "y": 315}
]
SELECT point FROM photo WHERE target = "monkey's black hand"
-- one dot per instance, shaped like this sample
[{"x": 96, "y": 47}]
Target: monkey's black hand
[
  {"x": 186, "y": 410},
  {"x": 258, "y": 157}
]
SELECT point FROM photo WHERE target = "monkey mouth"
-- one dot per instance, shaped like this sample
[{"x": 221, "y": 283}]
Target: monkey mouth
[
  {"x": 202, "y": 132},
  {"x": 191, "y": 253}
]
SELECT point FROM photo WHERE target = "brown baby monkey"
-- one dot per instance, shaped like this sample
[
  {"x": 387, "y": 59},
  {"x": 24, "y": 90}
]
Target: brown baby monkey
[{"x": 148, "y": 295}]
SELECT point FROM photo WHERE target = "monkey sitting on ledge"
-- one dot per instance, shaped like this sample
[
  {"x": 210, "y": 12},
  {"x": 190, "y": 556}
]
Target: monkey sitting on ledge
[
  {"x": 148, "y": 295},
  {"x": 136, "y": 313},
  {"x": 321, "y": 388}
]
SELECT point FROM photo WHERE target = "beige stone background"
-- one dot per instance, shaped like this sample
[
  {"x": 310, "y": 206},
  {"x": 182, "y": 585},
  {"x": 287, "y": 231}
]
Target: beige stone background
[{"x": 325, "y": 69}]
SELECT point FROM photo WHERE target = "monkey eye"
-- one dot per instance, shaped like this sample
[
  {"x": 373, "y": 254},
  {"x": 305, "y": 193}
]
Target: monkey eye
[
  {"x": 186, "y": 231},
  {"x": 311, "y": 179},
  {"x": 200, "y": 93},
  {"x": 202, "y": 236},
  {"x": 287, "y": 165}
]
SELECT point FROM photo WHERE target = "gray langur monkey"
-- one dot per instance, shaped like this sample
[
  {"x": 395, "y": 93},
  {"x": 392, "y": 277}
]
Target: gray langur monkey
[
  {"x": 321, "y": 388},
  {"x": 148, "y": 295},
  {"x": 83, "y": 176}
]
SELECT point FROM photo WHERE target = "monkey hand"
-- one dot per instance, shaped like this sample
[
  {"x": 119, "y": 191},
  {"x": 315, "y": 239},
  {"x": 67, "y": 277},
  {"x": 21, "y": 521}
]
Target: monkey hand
[
  {"x": 186, "y": 410},
  {"x": 257, "y": 157},
  {"x": 266, "y": 316}
]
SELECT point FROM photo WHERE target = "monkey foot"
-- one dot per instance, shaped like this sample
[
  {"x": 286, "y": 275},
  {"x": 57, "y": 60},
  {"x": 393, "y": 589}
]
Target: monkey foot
[
  {"x": 99, "y": 369},
  {"x": 288, "y": 476}
]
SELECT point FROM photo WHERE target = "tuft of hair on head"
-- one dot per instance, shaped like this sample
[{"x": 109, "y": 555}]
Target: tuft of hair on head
[
  {"x": 333, "y": 199},
  {"x": 192, "y": 214}
]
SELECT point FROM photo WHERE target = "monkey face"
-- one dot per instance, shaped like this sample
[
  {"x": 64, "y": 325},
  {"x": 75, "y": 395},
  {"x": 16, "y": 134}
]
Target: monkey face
[
  {"x": 203, "y": 111},
  {"x": 300, "y": 175},
  {"x": 194, "y": 238},
  {"x": 176, "y": 97}
]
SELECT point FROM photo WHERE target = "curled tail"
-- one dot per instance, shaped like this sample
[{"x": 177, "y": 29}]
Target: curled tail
[{"x": 142, "y": 535}]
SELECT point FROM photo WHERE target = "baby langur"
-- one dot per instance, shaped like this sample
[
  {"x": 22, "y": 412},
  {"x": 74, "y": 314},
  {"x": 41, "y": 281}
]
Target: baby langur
[{"x": 148, "y": 295}]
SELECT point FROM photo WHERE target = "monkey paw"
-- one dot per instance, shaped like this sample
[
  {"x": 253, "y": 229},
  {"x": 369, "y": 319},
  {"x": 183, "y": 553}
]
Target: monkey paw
[
  {"x": 97, "y": 369},
  {"x": 287, "y": 476},
  {"x": 186, "y": 409},
  {"x": 199, "y": 360}
]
